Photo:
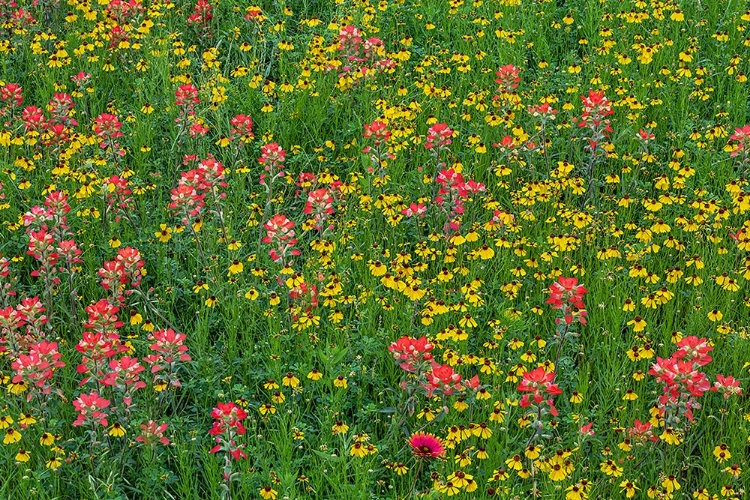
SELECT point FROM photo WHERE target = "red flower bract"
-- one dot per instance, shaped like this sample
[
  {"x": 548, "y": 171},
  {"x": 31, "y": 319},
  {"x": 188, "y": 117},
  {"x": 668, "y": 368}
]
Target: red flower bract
[{"x": 425, "y": 445}]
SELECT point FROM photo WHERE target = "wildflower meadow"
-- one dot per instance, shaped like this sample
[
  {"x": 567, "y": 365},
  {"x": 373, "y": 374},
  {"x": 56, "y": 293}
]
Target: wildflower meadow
[{"x": 374, "y": 249}]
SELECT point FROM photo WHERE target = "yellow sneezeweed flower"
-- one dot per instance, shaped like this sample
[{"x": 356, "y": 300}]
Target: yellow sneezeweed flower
[
  {"x": 47, "y": 439},
  {"x": 610, "y": 468},
  {"x": 26, "y": 419},
  {"x": 629, "y": 488},
  {"x": 117, "y": 430},
  {"x": 638, "y": 324},
  {"x": 721, "y": 453},
  {"x": 339, "y": 428},
  {"x": 268, "y": 493},
  {"x": 290, "y": 380},
  {"x": 135, "y": 317},
  {"x": 235, "y": 268},
  {"x": 5, "y": 421},
  {"x": 11, "y": 436},
  {"x": 400, "y": 469},
  {"x": 670, "y": 484}
]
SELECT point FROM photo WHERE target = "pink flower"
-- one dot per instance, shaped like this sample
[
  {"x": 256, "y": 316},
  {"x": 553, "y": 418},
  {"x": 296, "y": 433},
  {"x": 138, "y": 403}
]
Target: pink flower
[
  {"x": 272, "y": 156},
  {"x": 425, "y": 445},
  {"x": 444, "y": 379},
  {"x": 107, "y": 126}
]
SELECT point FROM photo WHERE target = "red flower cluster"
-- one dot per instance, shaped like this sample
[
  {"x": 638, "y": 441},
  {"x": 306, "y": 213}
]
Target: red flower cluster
[
  {"x": 319, "y": 204},
  {"x": 741, "y": 137},
  {"x": 443, "y": 379},
  {"x": 379, "y": 154},
  {"x": 413, "y": 355},
  {"x": 378, "y": 131},
  {"x": 272, "y": 158},
  {"x": 227, "y": 424},
  {"x": 119, "y": 196},
  {"x": 168, "y": 349},
  {"x": 201, "y": 17},
  {"x": 186, "y": 97},
  {"x": 540, "y": 383},
  {"x": 596, "y": 109},
  {"x": 123, "y": 11},
  {"x": 90, "y": 408},
  {"x": 38, "y": 366},
  {"x": 242, "y": 127},
  {"x": 410, "y": 352},
  {"x": 107, "y": 127},
  {"x": 189, "y": 198},
  {"x": 683, "y": 381},
  {"x": 361, "y": 58},
  {"x": 151, "y": 433},
  {"x": 22, "y": 326},
  {"x": 438, "y": 137},
  {"x": 567, "y": 295},
  {"x": 507, "y": 78},
  {"x": 279, "y": 232},
  {"x": 126, "y": 270}
]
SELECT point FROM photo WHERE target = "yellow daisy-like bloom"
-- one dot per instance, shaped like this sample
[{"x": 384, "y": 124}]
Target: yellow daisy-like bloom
[
  {"x": 670, "y": 484},
  {"x": 47, "y": 439},
  {"x": 135, "y": 317},
  {"x": 164, "y": 234},
  {"x": 638, "y": 324},
  {"x": 377, "y": 268},
  {"x": 23, "y": 456},
  {"x": 400, "y": 469},
  {"x": 629, "y": 488},
  {"x": 26, "y": 419},
  {"x": 610, "y": 468},
  {"x": 268, "y": 493},
  {"x": 715, "y": 315},
  {"x": 5, "y": 421},
  {"x": 117, "y": 430},
  {"x": 358, "y": 450},
  {"x": 11, "y": 436},
  {"x": 721, "y": 452},
  {"x": 670, "y": 436},
  {"x": 339, "y": 428},
  {"x": 235, "y": 268},
  {"x": 290, "y": 380}
]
